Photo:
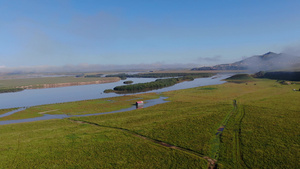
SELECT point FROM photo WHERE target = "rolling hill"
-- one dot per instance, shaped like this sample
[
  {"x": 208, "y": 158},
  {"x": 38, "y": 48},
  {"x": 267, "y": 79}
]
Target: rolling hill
[{"x": 266, "y": 62}]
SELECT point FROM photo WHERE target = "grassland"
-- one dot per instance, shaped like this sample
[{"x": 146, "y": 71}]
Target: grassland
[
  {"x": 3, "y": 111},
  {"x": 241, "y": 78},
  {"x": 40, "y": 82},
  {"x": 81, "y": 107},
  {"x": 65, "y": 144},
  {"x": 261, "y": 131},
  {"x": 160, "y": 75}
]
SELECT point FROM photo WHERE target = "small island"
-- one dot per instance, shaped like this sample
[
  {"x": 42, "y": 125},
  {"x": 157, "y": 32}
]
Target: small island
[
  {"x": 128, "y": 82},
  {"x": 157, "y": 84},
  {"x": 143, "y": 87}
]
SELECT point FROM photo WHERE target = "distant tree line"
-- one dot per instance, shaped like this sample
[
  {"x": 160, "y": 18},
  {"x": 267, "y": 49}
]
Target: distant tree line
[
  {"x": 292, "y": 76},
  {"x": 87, "y": 76},
  {"x": 96, "y": 75},
  {"x": 80, "y": 75},
  {"x": 160, "y": 75},
  {"x": 8, "y": 90},
  {"x": 122, "y": 76},
  {"x": 240, "y": 77}
]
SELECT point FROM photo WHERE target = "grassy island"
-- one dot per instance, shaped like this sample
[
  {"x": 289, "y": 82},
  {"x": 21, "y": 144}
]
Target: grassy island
[
  {"x": 128, "y": 82},
  {"x": 142, "y": 87},
  {"x": 157, "y": 84}
]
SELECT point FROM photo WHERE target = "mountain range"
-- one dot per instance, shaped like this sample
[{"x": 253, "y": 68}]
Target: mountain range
[{"x": 266, "y": 62}]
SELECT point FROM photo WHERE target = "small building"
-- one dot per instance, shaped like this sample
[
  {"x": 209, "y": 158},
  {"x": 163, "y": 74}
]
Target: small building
[{"x": 139, "y": 104}]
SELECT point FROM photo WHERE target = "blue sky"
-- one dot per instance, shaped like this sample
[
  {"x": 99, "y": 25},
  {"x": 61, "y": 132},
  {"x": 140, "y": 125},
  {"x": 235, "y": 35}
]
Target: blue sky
[{"x": 125, "y": 32}]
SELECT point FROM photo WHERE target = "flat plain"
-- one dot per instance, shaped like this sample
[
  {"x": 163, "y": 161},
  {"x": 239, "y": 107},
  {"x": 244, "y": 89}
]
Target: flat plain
[
  {"x": 41, "y": 82},
  {"x": 251, "y": 123}
]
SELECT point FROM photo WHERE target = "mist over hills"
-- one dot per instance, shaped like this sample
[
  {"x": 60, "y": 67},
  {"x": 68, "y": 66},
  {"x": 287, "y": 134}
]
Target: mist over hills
[{"x": 266, "y": 62}]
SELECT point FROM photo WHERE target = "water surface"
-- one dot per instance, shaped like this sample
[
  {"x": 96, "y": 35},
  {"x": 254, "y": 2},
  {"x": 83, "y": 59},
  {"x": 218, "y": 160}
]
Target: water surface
[
  {"x": 34, "y": 97},
  {"x": 148, "y": 103}
]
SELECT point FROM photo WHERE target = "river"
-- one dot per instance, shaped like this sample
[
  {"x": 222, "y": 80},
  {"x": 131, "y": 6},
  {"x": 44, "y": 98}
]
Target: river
[
  {"x": 148, "y": 103},
  {"x": 34, "y": 97}
]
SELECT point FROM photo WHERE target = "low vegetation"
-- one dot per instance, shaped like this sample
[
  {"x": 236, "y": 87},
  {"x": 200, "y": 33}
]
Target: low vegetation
[
  {"x": 65, "y": 144},
  {"x": 261, "y": 132},
  {"x": 8, "y": 90},
  {"x": 157, "y": 84},
  {"x": 280, "y": 75},
  {"x": 3, "y": 111},
  {"x": 93, "y": 75},
  {"x": 240, "y": 78},
  {"x": 81, "y": 107},
  {"x": 122, "y": 76},
  {"x": 160, "y": 75},
  {"x": 13, "y": 85},
  {"x": 128, "y": 82}
]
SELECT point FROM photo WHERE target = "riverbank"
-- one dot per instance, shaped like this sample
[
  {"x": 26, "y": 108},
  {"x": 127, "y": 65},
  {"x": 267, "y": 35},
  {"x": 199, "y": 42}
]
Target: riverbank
[
  {"x": 22, "y": 115},
  {"x": 29, "y": 98},
  {"x": 82, "y": 107},
  {"x": 16, "y": 85},
  {"x": 55, "y": 85}
]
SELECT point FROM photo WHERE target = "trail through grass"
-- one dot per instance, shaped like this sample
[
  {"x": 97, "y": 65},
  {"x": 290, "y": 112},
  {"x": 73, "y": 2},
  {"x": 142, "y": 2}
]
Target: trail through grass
[
  {"x": 216, "y": 140},
  {"x": 262, "y": 132},
  {"x": 184, "y": 150},
  {"x": 65, "y": 144}
]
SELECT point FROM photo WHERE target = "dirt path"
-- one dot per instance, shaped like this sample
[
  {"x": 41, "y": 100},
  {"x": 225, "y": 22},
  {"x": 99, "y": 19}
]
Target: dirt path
[
  {"x": 211, "y": 162},
  {"x": 235, "y": 116},
  {"x": 237, "y": 138},
  {"x": 216, "y": 140}
]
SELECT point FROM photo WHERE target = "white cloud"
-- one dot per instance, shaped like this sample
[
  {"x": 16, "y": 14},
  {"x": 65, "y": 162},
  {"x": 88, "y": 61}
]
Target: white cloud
[{"x": 292, "y": 49}]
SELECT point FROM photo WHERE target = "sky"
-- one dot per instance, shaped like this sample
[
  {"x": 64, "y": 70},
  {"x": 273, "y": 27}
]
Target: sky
[{"x": 139, "y": 32}]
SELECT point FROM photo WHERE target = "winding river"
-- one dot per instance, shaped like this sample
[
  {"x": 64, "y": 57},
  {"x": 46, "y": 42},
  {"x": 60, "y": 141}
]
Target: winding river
[
  {"x": 34, "y": 97},
  {"x": 148, "y": 103}
]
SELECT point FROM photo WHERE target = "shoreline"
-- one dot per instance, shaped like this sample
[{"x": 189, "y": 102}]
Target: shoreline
[
  {"x": 78, "y": 93},
  {"x": 57, "y": 85}
]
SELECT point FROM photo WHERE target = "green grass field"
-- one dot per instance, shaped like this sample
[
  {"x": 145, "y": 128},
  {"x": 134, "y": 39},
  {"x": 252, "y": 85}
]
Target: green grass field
[
  {"x": 261, "y": 132},
  {"x": 65, "y": 144},
  {"x": 81, "y": 107},
  {"x": 36, "y": 82},
  {"x": 2, "y": 111}
]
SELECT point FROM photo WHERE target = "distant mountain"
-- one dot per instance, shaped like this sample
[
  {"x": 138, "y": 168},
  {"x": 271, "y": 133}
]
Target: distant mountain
[{"x": 267, "y": 61}]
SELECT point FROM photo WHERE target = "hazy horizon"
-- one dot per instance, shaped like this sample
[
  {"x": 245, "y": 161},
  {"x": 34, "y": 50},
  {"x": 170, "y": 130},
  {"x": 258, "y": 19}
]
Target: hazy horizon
[{"x": 106, "y": 35}]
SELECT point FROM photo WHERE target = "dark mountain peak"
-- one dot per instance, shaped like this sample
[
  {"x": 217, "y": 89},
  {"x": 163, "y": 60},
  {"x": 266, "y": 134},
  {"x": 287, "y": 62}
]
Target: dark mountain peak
[
  {"x": 267, "y": 61},
  {"x": 268, "y": 55}
]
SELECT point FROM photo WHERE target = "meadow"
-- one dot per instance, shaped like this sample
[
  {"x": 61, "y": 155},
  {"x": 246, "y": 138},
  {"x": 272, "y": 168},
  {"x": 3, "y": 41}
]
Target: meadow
[
  {"x": 65, "y": 144},
  {"x": 81, "y": 107},
  {"x": 261, "y": 130},
  {"x": 2, "y": 111},
  {"x": 12, "y": 84}
]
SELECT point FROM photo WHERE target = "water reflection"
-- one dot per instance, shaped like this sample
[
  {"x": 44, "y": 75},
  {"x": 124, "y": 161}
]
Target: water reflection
[{"x": 36, "y": 97}]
